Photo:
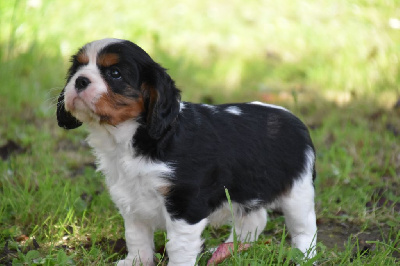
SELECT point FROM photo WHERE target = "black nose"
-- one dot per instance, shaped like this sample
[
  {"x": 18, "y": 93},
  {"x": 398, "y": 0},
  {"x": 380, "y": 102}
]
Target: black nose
[{"x": 81, "y": 83}]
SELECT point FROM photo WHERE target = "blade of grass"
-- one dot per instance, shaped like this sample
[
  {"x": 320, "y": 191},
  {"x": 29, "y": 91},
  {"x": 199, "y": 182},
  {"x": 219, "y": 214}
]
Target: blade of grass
[{"x": 235, "y": 242}]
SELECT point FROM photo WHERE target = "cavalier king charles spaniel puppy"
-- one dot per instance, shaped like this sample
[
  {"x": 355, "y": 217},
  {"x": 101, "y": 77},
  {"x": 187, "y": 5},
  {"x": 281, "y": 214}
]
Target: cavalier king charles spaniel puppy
[{"x": 168, "y": 162}]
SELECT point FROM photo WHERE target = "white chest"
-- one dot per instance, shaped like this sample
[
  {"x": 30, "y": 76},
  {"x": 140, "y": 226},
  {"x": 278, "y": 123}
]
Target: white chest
[{"x": 133, "y": 181}]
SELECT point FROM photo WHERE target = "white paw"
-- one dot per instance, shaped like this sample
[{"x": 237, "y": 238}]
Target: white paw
[
  {"x": 125, "y": 262},
  {"x": 130, "y": 262}
]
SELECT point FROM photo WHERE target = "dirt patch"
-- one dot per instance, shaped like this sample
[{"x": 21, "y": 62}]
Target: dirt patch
[
  {"x": 334, "y": 235},
  {"x": 10, "y": 148},
  {"x": 338, "y": 235}
]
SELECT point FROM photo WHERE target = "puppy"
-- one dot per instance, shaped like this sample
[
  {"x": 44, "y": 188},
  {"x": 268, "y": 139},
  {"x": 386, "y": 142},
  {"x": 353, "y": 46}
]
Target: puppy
[{"x": 167, "y": 162}]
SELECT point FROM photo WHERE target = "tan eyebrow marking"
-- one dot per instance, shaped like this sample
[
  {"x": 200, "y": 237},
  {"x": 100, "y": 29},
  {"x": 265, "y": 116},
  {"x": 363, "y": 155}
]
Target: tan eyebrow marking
[
  {"x": 108, "y": 59},
  {"x": 82, "y": 58}
]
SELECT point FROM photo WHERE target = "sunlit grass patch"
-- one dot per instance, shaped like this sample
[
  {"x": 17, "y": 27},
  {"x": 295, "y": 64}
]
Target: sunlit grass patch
[{"x": 339, "y": 49}]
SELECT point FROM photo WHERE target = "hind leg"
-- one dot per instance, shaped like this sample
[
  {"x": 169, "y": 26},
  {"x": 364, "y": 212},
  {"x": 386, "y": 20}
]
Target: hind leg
[
  {"x": 248, "y": 226},
  {"x": 298, "y": 209}
]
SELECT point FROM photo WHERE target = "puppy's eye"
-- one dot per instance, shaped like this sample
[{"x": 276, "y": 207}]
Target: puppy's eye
[{"x": 114, "y": 73}]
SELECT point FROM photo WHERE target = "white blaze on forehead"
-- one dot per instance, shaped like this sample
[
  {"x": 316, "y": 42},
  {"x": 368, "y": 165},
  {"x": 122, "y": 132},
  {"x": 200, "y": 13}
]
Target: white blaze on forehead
[
  {"x": 91, "y": 71},
  {"x": 92, "y": 49},
  {"x": 270, "y": 105}
]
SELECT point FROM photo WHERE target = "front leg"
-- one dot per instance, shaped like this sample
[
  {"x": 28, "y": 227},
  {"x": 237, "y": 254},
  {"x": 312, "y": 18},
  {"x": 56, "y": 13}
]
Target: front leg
[
  {"x": 184, "y": 242},
  {"x": 139, "y": 242}
]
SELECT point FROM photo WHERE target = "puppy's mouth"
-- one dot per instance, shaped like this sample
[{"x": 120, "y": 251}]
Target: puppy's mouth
[
  {"x": 78, "y": 104},
  {"x": 83, "y": 110}
]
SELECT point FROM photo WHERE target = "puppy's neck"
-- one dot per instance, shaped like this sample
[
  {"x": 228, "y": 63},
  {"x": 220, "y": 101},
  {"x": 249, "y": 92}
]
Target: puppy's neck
[{"x": 106, "y": 138}]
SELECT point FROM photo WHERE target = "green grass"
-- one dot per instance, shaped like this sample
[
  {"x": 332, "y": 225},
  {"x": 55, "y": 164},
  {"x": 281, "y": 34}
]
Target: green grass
[{"x": 333, "y": 63}]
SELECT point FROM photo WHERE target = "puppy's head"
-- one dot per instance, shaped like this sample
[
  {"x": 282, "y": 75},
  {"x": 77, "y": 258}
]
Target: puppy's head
[{"x": 112, "y": 81}]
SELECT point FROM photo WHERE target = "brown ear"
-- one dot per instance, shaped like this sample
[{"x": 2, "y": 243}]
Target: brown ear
[
  {"x": 162, "y": 104},
  {"x": 64, "y": 118}
]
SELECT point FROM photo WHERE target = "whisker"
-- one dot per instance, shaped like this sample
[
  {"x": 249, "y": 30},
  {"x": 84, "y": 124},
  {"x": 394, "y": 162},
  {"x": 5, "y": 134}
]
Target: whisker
[
  {"x": 51, "y": 106},
  {"x": 51, "y": 100},
  {"x": 59, "y": 89}
]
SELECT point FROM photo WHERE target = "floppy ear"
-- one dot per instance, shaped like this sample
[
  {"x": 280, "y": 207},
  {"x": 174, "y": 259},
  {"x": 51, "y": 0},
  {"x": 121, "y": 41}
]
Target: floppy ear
[
  {"x": 162, "y": 100},
  {"x": 64, "y": 118}
]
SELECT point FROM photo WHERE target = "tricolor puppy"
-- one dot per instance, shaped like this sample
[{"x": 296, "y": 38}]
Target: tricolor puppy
[{"x": 167, "y": 162}]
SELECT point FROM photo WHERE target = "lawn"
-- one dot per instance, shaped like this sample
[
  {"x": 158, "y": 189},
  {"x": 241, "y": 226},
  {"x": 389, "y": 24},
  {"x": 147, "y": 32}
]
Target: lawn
[{"x": 335, "y": 64}]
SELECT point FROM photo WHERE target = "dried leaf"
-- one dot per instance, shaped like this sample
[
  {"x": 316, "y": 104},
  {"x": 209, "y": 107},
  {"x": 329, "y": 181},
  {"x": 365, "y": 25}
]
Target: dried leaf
[
  {"x": 224, "y": 251},
  {"x": 21, "y": 238}
]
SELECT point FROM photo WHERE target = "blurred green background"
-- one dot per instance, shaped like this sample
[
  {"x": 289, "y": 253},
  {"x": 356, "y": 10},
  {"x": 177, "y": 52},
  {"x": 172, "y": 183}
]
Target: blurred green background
[{"x": 229, "y": 50}]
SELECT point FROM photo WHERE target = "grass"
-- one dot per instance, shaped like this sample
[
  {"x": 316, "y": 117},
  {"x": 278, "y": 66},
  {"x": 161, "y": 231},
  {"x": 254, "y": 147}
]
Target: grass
[{"x": 333, "y": 63}]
